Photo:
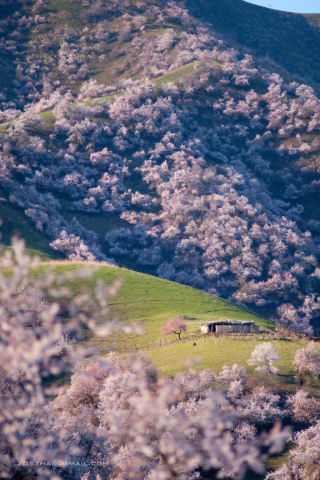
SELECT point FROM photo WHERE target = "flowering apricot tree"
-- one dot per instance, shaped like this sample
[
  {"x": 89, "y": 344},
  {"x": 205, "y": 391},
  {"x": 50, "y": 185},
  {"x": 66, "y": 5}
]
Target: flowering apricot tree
[
  {"x": 174, "y": 325},
  {"x": 264, "y": 356}
]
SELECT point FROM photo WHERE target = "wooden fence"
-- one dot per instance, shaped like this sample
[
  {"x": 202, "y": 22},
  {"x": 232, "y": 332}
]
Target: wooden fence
[{"x": 200, "y": 339}]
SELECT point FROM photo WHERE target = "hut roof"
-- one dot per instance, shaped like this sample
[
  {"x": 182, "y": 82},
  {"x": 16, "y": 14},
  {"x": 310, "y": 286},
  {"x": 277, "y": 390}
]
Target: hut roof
[{"x": 227, "y": 322}]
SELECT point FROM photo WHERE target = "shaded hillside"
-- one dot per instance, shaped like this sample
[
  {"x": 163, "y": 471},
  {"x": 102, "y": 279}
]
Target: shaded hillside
[
  {"x": 288, "y": 39},
  {"x": 15, "y": 223}
]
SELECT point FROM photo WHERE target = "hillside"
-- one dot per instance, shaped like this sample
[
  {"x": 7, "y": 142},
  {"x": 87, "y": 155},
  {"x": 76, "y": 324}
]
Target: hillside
[
  {"x": 178, "y": 142},
  {"x": 149, "y": 302},
  {"x": 287, "y": 43}
]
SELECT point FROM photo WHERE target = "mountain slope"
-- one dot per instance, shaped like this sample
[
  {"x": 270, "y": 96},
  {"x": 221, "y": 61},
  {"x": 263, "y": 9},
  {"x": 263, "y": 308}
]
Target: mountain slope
[
  {"x": 192, "y": 162},
  {"x": 290, "y": 40}
]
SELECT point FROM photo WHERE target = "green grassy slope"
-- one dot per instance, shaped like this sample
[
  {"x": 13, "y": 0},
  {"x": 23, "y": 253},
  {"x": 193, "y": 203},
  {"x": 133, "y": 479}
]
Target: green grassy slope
[{"x": 149, "y": 302}]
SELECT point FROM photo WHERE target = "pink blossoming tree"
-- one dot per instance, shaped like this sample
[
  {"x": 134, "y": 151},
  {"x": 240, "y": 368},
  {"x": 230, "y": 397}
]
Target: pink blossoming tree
[{"x": 174, "y": 325}]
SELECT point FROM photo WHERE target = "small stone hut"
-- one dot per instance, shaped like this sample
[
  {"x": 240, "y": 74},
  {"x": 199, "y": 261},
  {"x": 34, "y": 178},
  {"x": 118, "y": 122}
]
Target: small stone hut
[{"x": 229, "y": 326}]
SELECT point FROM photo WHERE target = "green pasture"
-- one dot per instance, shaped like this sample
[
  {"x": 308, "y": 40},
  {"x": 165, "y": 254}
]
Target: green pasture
[
  {"x": 145, "y": 299},
  {"x": 214, "y": 352},
  {"x": 149, "y": 302}
]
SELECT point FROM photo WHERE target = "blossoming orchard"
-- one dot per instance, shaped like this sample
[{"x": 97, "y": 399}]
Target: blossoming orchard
[{"x": 159, "y": 170}]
